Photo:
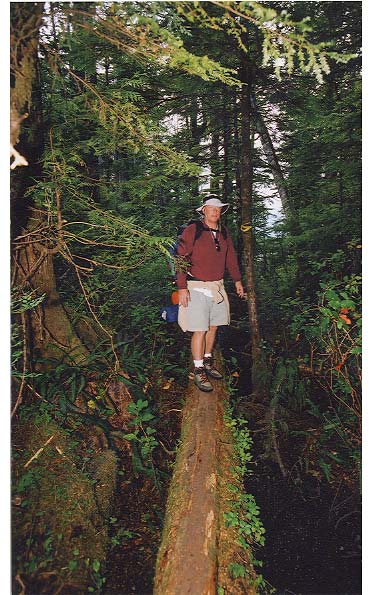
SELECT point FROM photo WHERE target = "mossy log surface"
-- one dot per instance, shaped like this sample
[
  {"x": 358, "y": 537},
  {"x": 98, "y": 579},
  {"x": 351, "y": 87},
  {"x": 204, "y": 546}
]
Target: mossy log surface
[{"x": 197, "y": 547}]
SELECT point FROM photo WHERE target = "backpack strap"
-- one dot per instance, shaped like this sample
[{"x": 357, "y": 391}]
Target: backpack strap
[{"x": 200, "y": 228}]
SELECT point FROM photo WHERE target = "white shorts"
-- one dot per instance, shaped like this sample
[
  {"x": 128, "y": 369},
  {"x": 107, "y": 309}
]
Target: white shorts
[{"x": 202, "y": 312}]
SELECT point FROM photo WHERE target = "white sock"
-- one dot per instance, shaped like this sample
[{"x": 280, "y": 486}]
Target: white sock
[
  {"x": 207, "y": 355},
  {"x": 198, "y": 363}
]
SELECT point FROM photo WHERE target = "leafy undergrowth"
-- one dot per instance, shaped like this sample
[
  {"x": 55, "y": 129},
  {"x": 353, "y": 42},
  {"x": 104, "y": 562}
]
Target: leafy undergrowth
[
  {"x": 138, "y": 511},
  {"x": 87, "y": 518},
  {"x": 305, "y": 477}
]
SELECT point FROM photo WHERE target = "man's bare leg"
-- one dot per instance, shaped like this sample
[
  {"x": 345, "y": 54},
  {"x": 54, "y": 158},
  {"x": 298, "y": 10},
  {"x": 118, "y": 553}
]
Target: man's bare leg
[
  {"x": 202, "y": 342},
  {"x": 210, "y": 338},
  {"x": 198, "y": 345}
]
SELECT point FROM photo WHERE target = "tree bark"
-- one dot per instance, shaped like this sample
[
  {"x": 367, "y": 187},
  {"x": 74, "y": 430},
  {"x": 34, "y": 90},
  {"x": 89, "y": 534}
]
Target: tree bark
[
  {"x": 270, "y": 154},
  {"x": 196, "y": 136},
  {"x": 237, "y": 208},
  {"x": 237, "y": 141},
  {"x": 197, "y": 547},
  {"x": 215, "y": 163},
  {"x": 226, "y": 185},
  {"x": 51, "y": 332},
  {"x": 246, "y": 191},
  {"x": 25, "y": 20}
]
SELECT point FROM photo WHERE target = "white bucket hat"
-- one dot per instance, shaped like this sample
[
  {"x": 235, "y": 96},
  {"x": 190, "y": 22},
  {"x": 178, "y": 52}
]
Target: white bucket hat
[{"x": 213, "y": 201}]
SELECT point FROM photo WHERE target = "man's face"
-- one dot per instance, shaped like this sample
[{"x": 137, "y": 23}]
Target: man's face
[{"x": 212, "y": 213}]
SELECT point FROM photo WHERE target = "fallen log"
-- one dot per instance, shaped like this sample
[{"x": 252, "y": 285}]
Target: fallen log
[{"x": 197, "y": 548}]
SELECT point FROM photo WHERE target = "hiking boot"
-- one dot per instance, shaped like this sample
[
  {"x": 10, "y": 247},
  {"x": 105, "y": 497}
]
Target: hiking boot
[
  {"x": 201, "y": 380},
  {"x": 211, "y": 371}
]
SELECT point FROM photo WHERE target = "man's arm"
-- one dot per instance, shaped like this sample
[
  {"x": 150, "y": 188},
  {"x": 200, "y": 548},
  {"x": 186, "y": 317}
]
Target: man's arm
[
  {"x": 232, "y": 266},
  {"x": 185, "y": 247}
]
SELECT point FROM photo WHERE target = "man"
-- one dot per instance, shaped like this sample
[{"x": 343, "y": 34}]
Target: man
[{"x": 204, "y": 305}]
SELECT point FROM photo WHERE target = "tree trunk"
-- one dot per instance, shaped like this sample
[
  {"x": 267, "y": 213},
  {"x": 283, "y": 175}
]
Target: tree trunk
[
  {"x": 271, "y": 156},
  {"x": 51, "y": 332},
  {"x": 195, "y": 135},
  {"x": 25, "y": 20},
  {"x": 247, "y": 203},
  {"x": 215, "y": 163},
  {"x": 237, "y": 208},
  {"x": 226, "y": 185},
  {"x": 197, "y": 547},
  {"x": 237, "y": 142}
]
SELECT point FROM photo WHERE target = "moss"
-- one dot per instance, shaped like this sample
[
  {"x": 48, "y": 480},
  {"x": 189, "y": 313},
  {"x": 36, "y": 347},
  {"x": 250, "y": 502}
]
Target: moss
[
  {"x": 105, "y": 471},
  {"x": 60, "y": 511}
]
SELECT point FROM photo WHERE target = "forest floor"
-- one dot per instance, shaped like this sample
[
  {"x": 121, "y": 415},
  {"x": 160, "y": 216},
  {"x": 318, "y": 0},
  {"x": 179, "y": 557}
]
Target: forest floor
[
  {"x": 132, "y": 560},
  {"x": 140, "y": 507},
  {"x": 309, "y": 550},
  {"x": 313, "y": 528}
]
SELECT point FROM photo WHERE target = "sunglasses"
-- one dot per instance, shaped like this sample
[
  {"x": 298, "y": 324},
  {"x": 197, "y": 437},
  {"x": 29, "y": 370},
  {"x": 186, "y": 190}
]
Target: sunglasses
[{"x": 217, "y": 244}]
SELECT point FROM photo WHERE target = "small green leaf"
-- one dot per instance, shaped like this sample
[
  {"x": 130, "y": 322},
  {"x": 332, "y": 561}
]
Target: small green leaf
[{"x": 96, "y": 564}]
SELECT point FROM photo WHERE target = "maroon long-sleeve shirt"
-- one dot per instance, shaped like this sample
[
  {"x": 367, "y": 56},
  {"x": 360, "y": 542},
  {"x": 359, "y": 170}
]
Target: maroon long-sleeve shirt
[{"x": 206, "y": 263}]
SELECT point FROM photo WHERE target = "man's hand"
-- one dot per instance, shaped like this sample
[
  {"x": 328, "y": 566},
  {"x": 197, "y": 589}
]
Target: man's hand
[
  {"x": 183, "y": 297},
  {"x": 240, "y": 289}
]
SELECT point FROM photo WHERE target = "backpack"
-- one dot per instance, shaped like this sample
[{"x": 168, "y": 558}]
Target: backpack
[
  {"x": 169, "y": 313},
  {"x": 199, "y": 230}
]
